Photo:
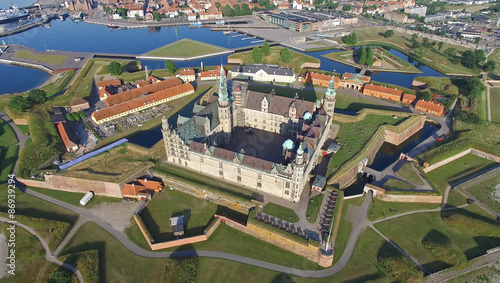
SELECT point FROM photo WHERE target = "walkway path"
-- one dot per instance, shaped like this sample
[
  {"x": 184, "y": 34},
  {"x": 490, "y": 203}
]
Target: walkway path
[
  {"x": 20, "y": 137},
  {"x": 488, "y": 101},
  {"x": 49, "y": 257},
  {"x": 81, "y": 220}
]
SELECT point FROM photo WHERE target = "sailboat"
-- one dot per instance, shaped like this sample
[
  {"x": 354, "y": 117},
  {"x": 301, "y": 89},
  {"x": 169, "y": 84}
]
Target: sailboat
[{"x": 228, "y": 31}]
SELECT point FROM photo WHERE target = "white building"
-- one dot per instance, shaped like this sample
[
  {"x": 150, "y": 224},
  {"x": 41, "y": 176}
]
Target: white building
[
  {"x": 263, "y": 73},
  {"x": 420, "y": 11}
]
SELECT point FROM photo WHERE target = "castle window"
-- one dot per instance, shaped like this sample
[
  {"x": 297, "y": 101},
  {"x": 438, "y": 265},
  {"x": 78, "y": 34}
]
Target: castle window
[
  {"x": 220, "y": 164},
  {"x": 259, "y": 185},
  {"x": 259, "y": 176},
  {"x": 238, "y": 170},
  {"x": 238, "y": 179},
  {"x": 287, "y": 185},
  {"x": 287, "y": 192},
  {"x": 221, "y": 173},
  {"x": 201, "y": 159}
]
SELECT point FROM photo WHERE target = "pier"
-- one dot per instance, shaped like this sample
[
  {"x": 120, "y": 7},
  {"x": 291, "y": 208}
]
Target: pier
[
  {"x": 239, "y": 35},
  {"x": 248, "y": 38}
]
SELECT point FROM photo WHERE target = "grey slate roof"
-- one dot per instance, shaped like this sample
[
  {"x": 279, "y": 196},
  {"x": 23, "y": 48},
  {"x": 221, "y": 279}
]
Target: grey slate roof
[
  {"x": 278, "y": 104},
  {"x": 193, "y": 129}
]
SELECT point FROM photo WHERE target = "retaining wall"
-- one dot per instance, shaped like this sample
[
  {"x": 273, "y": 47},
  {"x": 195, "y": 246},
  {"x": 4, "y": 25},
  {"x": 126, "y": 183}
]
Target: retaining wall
[
  {"x": 461, "y": 154},
  {"x": 234, "y": 61},
  {"x": 310, "y": 65},
  {"x": 75, "y": 185},
  {"x": 410, "y": 198},
  {"x": 347, "y": 174}
]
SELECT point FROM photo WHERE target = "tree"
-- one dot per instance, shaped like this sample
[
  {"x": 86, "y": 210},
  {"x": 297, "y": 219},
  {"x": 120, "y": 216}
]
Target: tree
[
  {"x": 37, "y": 96},
  {"x": 388, "y": 33},
  {"x": 415, "y": 44},
  {"x": 156, "y": 16},
  {"x": 350, "y": 39},
  {"x": 217, "y": 5},
  {"x": 70, "y": 116},
  {"x": 114, "y": 68},
  {"x": 440, "y": 45},
  {"x": 475, "y": 87},
  {"x": 414, "y": 37},
  {"x": 227, "y": 11},
  {"x": 170, "y": 66},
  {"x": 477, "y": 40},
  {"x": 362, "y": 55},
  {"x": 82, "y": 115},
  {"x": 455, "y": 61},
  {"x": 19, "y": 103},
  {"x": 424, "y": 95},
  {"x": 265, "y": 48},
  {"x": 369, "y": 56},
  {"x": 237, "y": 10},
  {"x": 123, "y": 12},
  {"x": 426, "y": 42},
  {"x": 257, "y": 55},
  {"x": 473, "y": 59},
  {"x": 60, "y": 275},
  {"x": 450, "y": 52},
  {"x": 490, "y": 66},
  {"x": 347, "y": 7},
  {"x": 285, "y": 55},
  {"x": 421, "y": 53}
]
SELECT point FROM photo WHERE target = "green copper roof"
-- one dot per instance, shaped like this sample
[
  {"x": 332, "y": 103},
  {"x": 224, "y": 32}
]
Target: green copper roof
[
  {"x": 330, "y": 91},
  {"x": 288, "y": 144},
  {"x": 223, "y": 95}
]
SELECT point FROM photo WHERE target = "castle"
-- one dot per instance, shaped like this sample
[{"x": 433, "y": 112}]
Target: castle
[{"x": 264, "y": 142}]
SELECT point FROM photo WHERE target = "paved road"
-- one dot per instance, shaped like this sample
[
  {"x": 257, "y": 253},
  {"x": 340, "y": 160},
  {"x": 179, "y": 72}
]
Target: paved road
[
  {"x": 20, "y": 137},
  {"x": 48, "y": 256},
  {"x": 488, "y": 87},
  {"x": 357, "y": 229},
  {"x": 81, "y": 220}
]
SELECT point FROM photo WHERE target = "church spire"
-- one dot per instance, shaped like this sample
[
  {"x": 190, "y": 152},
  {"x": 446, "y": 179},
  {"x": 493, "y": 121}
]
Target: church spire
[{"x": 223, "y": 95}]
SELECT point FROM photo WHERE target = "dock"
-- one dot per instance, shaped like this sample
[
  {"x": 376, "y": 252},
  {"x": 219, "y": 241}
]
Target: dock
[
  {"x": 239, "y": 35},
  {"x": 248, "y": 38}
]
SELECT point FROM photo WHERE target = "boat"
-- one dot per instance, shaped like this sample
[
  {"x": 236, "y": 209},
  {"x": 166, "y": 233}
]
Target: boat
[
  {"x": 12, "y": 14},
  {"x": 226, "y": 32},
  {"x": 198, "y": 23},
  {"x": 220, "y": 22}
]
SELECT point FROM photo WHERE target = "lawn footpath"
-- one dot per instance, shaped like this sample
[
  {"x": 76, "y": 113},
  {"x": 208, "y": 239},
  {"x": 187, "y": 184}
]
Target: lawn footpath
[
  {"x": 185, "y": 48},
  {"x": 8, "y": 150},
  {"x": 281, "y": 212},
  {"x": 382, "y": 209},
  {"x": 74, "y": 198},
  {"x": 495, "y": 104},
  {"x": 408, "y": 173},
  {"x": 488, "y": 192},
  {"x": 313, "y": 208},
  {"x": 274, "y": 58},
  {"x": 51, "y": 59}
]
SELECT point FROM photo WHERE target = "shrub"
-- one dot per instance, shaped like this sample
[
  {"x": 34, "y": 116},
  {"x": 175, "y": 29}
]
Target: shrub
[
  {"x": 440, "y": 246},
  {"x": 285, "y": 55},
  {"x": 257, "y": 55},
  {"x": 114, "y": 68},
  {"x": 19, "y": 103},
  {"x": 398, "y": 265}
]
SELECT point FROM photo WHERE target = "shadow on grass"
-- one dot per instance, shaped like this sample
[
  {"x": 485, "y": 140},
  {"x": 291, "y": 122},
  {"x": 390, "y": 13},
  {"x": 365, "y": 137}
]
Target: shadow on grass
[
  {"x": 357, "y": 106},
  {"x": 365, "y": 278},
  {"x": 471, "y": 173},
  {"x": 99, "y": 246},
  {"x": 37, "y": 213},
  {"x": 282, "y": 278}
]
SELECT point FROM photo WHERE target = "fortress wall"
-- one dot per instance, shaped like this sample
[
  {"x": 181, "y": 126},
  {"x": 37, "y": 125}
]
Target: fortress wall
[
  {"x": 474, "y": 151},
  {"x": 75, "y": 185},
  {"x": 410, "y": 198}
]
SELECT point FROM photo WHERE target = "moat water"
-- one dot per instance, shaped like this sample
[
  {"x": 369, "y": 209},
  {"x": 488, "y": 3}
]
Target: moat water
[{"x": 79, "y": 36}]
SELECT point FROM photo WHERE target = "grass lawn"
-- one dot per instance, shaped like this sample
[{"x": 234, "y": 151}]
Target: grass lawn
[
  {"x": 408, "y": 173},
  {"x": 31, "y": 265},
  {"x": 185, "y": 48},
  {"x": 483, "y": 274},
  {"x": 409, "y": 231},
  {"x": 353, "y": 136},
  {"x": 274, "y": 58},
  {"x": 51, "y": 59},
  {"x": 313, "y": 208},
  {"x": 381, "y": 209},
  {"x": 486, "y": 192},
  {"x": 86, "y": 262},
  {"x": 345, "y": 227},
  {"x": 495, "y": 104},
  {"x": 453, "y": 171},
  {"x": 439, "y": 84},
  {"x": 24, "y": 128},
  {"x": 197, "y": 212},
  {"x": 394, "y": 184},
  {"x": 204, "y": 182},
  {"x": 281, "y": 212},
  {"x": 74, "y": 198},
  {"x": 8, "y": 150},
  {"x": 455, "y": 199},
  {"x": 389, "y": 62},
  {"x": 495, "y": 56},
  {"x": 402, "y": 41}
]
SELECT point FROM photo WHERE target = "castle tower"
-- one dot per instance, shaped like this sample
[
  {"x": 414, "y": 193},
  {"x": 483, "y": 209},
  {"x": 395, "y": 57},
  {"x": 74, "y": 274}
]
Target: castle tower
[
  {"x": 224, "y": 108},
  {"x": 330, "y": 98},
  {"x": 298, "y": 165}
]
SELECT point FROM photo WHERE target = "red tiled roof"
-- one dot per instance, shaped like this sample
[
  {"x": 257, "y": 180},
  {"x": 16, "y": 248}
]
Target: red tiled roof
[
  {"x": 411, "y": 97},
  {"x": 186, "y": 72},
  {"x": 78, "y": 101},
  {"x": 141, "y": 101},
  {"x": 134, "y": 93},
  {"x": 143, "y": 83},
  {"x": 383, "y": 89},
  {"x": 211, "y": 73},
  {"x": 429, "y": 106},
  {"x": 107, "y": 89},
  {"x": 110, "y": 82},
  {"x": 150, "y": 184},
  {"x": 132, "y": 189},
  {"x": 63, "y": 129}
]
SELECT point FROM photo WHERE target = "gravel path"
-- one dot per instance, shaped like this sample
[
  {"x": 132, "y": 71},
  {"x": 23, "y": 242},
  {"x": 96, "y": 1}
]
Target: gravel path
[{"x": 118, "y": 214}]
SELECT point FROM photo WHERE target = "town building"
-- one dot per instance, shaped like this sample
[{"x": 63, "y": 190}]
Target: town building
[
  {"x": 177, "y": 224},
  {"x": 382, "y": 92},
  {"x": 137, "y": 92},
  {"x": 396, "y": 17},
  {"x": 409, "y": 98},
  {"x": 261, "y": 141},
  {"x": 263, "y": 73},
  {"x": 439, "y": 17},
  {"x": 211, "y": 75},
  {"x": 78, "y": 104},
  {"x": 67, "y": 136},
  {"x": 355, "y": 81},
  {"x": 319, "y": 183},
  {"x": 187, "y": 75},
  {"x": 320, "y": 79},
  {"x": 470, "y": 34},
  {"x": 141, "y": 103},
  {"x": 58, "y": 116},
  {"x": 420, "y": 11},
  {"x": 141, "y": 189},
  {"x": 429, "y": 107}
]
